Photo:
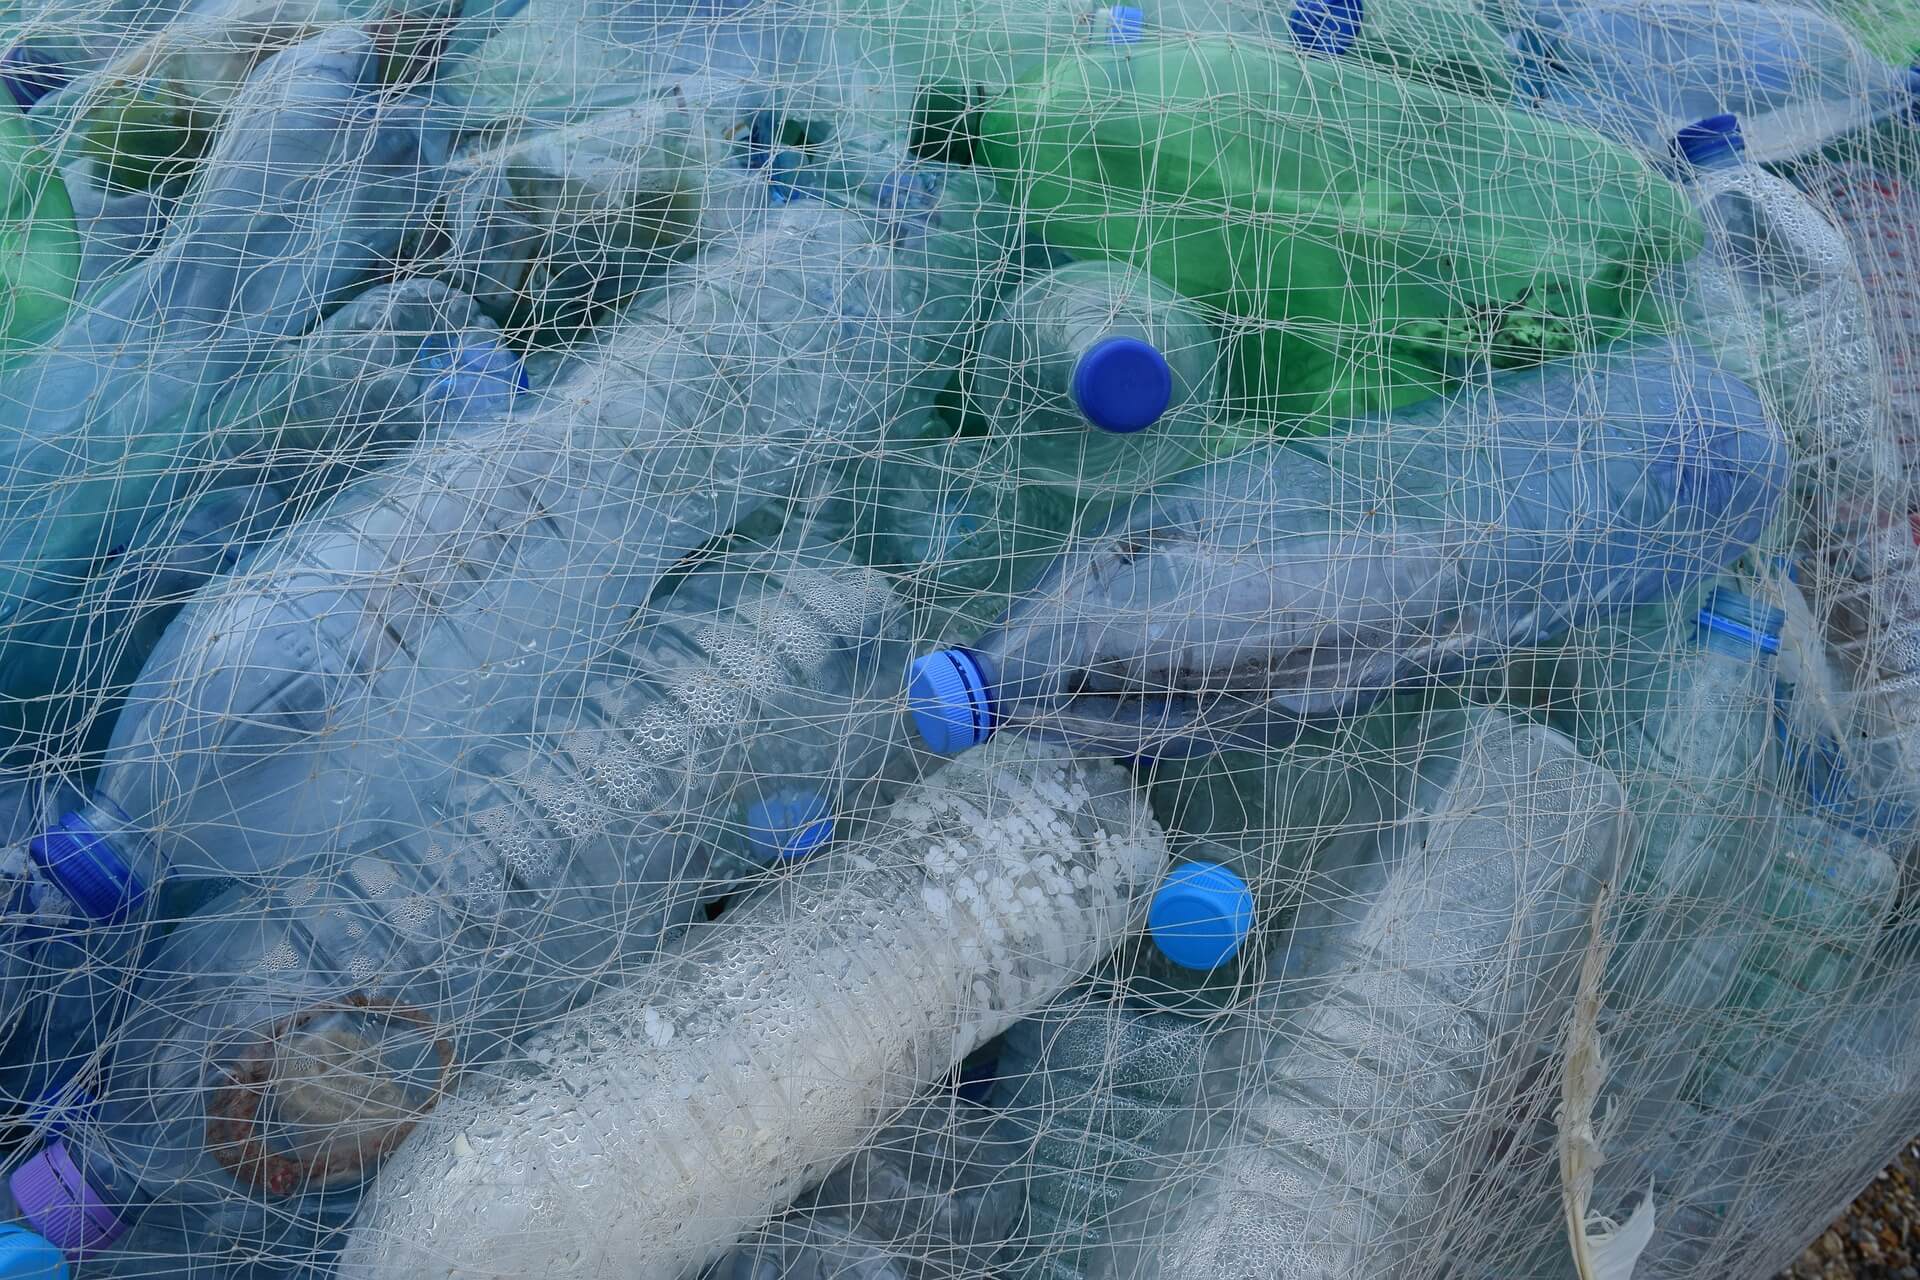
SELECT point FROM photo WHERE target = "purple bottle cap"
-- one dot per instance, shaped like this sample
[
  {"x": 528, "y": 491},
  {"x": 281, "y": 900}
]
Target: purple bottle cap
[{"x": 62, "y": 1205}]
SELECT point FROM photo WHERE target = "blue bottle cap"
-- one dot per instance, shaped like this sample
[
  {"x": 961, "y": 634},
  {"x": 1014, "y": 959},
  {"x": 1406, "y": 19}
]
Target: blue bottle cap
[
  {"x": 26, "y": 1256},
  {"x": 59, "y": 1106},
  {"x": 1125, "y": 24},
  {"x": 1326, "y": 27},
  {"x": 1913, "y": 80},
  {"x": 87, "y": 868},
  {"x": 1200, "y": 915},
  {"x": 1122, "y": 384},
  {"x": 791, "y": 825},
  {"x": 1713, "y": 141},
  {"x": 950, "y": 702},
  {"x": 471, "y": 364},
  {"x": 1740, "y": 617},
  {"x": 31, "y": 75}
]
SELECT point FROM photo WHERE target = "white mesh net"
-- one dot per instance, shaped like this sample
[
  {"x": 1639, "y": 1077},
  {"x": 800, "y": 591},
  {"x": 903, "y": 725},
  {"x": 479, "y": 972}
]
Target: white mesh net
[{"x": 1399, "y": 511}]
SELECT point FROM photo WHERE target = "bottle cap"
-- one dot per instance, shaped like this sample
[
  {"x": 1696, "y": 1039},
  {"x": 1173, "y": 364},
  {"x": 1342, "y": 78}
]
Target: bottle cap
[
  {"x": 1125, "y": 24},
  {"x": 791, "y": 825},
  {"x": 1200, "y": 915},
  {"x": 1122, "y": 384},
  {"x": 1740, "y": 617},
  {"x": 950, "y": 702},
  {"x": 1913, "y": 80},
  {"x": 87, "y": 868},
  {"x": 26, "y": 1256},
  {"x": 1713, "y": 141},
  {"x": 62, "y": 1205},
  {"x": 60, "y": 1105},
  {"x": 470, "y": 367},
  {"x": 31, "y": 75},
  {"x": 1326, "y": 27}
]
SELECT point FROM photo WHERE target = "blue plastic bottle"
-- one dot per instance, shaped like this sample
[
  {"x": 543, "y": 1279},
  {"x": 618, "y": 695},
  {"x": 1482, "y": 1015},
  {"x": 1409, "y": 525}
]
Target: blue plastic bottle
[{"x": 1299, "y": 583}]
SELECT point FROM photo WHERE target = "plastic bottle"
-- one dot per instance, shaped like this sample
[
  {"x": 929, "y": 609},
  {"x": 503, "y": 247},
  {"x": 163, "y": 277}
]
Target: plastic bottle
[
  {"x": 1777, "y": 295},
  {"x": 1388, "y": 237},
  {"x": 555, "y": 58},
  {"x": 1298, "y": 583},
  {"x": 1312, "y": 1182},
  {"x": 1801, "y": 1052},
  {"x": 1085, "y": 1092},
  {"x": 928, "y": 1194},
  {"x": 744, "y": 714},
  {"x": 1100, "y": 380},
  {"x": 550, "y": 228},
  {"x": 367, "y": 382},
  {"x": 1887, "y": 27},
  {"x": 302, "y": 202},
  {"x": 700, "y": 411},
  {"x": 1638, "y": 70},
  {"x": 833, "y": 996}
]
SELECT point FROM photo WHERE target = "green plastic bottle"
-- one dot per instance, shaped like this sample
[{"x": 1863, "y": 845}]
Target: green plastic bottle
[
  {"x": 1385, "y": 235},
  {"x": 42, "y": 257}
]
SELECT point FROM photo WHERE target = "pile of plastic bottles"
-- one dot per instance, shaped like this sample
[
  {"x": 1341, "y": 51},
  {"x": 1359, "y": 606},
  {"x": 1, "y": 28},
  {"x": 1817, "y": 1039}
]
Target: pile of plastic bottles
[{"x": 790, "y": 639}]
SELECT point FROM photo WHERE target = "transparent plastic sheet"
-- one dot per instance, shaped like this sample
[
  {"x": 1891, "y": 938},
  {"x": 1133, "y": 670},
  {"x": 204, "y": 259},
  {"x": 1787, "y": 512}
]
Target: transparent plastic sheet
[{"x": 798, "y": 639}]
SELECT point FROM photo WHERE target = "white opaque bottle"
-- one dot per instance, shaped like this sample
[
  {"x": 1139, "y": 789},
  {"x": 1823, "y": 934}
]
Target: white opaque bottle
[
  {"x": 642, "y": 1135},
  {"x": 1368, "y": 1119},
  {"x": 1101, "y": 379}
]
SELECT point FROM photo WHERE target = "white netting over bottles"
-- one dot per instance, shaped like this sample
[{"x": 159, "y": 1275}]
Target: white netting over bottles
[{"x": 913, "y": 639}]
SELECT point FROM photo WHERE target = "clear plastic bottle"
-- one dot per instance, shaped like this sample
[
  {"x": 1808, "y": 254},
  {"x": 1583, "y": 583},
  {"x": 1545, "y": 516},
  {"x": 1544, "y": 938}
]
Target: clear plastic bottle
[
  {"x": 752, "y": 704},
  {"x": 821, "y": 1005},
  {"x": 302, "y": 202},
  {"x": 1777, "y": 295},
  {"x": 368, "y": 382},
  {"x": 1101, "y": 380},
  {"x": 928, "y": 1196},
  {"x": 1357, "y": 1129},
  {"x": 474, "y": 580},
  {"x": 550, "y": 228},
  {"x": 1085, "y": 1092},
  {"x": 1248, "y": 599}
]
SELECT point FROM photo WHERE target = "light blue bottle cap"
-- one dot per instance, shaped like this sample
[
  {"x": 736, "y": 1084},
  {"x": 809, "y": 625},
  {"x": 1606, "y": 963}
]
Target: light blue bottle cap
[
  {"x": 951, "y": 705},
  {"x": 1708, "y": 143},
  {"x": 1125, "y": 24},
  {"x": 1326, "y": 27},
  {"x": 789, "y": 826},
  {"x": 474, "y": 370},
  {"x": 1122, "y": 384},
  {"x": 1740, "y": 617},
  {"x": 86, "y": 868},
  {"x": 26, "y": 1256},
  {"x": 1200, "y": 915}
]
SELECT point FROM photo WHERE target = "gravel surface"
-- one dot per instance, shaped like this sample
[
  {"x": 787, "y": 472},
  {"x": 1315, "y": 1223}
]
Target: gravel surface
[{"x": 1878, "y": 1238}]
